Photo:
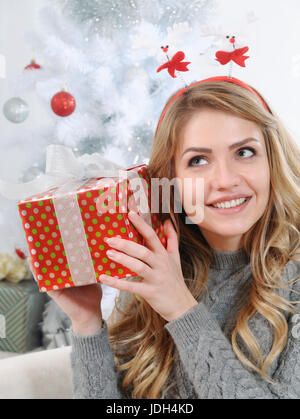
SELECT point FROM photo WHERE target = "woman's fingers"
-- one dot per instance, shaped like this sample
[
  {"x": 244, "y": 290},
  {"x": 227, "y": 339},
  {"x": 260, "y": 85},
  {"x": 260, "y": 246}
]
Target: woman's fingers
[
  {"x": 134, "y": 287},
  {"x": 132, "y": 263},
  {"x": 146, "y": 231},
  {"x": 132, "y": 249}
]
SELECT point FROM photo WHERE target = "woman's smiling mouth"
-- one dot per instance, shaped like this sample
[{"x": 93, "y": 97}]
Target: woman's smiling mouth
[{"x": 232, "y": 210}]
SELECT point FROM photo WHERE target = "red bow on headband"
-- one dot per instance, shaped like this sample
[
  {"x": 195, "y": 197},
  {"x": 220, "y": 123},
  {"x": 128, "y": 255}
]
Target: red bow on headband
[
  {"x": 174, "y": 64},
  {"x": 237, "y": 56}
]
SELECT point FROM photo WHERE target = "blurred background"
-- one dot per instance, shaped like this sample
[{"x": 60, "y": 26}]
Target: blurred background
[{"x": 82, "y": 73}]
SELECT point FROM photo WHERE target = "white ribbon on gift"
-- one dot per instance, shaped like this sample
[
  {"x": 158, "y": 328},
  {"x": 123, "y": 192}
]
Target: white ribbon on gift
[
  {"x": 67, "y": 173},
  {"x": 61, "y": 166}
]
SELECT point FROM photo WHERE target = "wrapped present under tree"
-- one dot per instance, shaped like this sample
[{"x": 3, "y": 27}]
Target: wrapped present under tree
[{"x": 21, "y": 310}]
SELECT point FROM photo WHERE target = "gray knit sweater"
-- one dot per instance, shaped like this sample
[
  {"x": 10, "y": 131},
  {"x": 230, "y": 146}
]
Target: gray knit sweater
[{"x": 206, "y": 366}]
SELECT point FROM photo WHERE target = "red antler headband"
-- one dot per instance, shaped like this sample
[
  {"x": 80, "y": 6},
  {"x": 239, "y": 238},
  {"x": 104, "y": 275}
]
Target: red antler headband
[{"x": 224, "y": 57}]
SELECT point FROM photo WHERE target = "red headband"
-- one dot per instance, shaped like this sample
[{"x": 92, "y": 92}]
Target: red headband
[{"x": 218, "y": 78}]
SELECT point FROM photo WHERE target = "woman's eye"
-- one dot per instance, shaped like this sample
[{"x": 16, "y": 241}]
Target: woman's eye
[
  {"x": 249, "y": 149},
  {"x": 195, "y": 160}
]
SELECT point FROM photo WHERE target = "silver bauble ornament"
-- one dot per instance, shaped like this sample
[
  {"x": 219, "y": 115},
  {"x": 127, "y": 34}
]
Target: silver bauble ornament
[{"x": 16, "y": 110}]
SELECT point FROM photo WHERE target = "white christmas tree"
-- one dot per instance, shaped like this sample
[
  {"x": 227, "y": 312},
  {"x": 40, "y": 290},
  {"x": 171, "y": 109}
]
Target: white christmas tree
[{"x": 106, "y": 54}]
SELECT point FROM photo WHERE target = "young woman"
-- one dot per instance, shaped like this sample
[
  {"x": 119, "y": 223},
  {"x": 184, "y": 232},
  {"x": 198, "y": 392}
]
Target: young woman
[{"x": 215, "y": 314}]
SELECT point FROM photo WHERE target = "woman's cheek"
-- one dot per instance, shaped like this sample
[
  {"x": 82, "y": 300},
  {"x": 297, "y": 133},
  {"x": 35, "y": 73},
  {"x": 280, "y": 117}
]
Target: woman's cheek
[
  {"x": 258, "y": 179},
  {"x": 193, "y": 191}
]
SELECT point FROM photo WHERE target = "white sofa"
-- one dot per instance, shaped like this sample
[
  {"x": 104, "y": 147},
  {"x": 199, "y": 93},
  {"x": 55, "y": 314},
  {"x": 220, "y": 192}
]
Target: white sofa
[{"x": 41, "y": 374}]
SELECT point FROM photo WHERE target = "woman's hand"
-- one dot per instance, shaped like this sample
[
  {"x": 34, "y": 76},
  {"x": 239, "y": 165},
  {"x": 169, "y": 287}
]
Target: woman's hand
[
  {"x": 163, "y": 285},
  {"x": 81, "y": 304}
]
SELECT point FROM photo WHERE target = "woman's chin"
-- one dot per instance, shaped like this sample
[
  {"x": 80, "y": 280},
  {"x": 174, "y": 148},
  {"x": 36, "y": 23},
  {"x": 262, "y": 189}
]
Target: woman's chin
[{"x": 224, "y": 231}]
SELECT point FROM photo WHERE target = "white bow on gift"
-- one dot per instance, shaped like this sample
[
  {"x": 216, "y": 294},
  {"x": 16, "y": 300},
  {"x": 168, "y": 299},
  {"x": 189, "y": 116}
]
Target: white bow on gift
[{"x": 61, "y": 167}]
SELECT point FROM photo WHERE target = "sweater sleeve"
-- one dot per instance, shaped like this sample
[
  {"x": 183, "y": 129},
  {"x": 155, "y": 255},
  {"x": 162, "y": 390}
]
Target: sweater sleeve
[
  {"x": 217, "y": 373},
  {"x": 94, "y": 375}
]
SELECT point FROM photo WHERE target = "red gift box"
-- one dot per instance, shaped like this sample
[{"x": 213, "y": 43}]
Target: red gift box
[{"x": 66, "y": 232}]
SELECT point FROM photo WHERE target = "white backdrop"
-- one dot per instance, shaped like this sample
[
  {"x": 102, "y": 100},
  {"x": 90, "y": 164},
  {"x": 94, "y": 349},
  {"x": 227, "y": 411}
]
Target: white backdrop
[
  {"x": 274, "y": 66},
  {"x": 17, "y": 17},
  {"x": 273, "y": 39}
]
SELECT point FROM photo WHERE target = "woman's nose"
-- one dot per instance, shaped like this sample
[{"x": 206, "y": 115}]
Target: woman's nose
[{"x": 225, "y": 175}]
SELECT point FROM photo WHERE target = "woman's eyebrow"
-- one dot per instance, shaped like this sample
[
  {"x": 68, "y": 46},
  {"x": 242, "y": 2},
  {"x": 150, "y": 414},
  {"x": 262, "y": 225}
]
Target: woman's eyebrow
[{"x": 209, "y": 150}]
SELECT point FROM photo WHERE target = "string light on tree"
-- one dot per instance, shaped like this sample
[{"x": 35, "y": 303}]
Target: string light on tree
[{"x": 109, "y": 17}]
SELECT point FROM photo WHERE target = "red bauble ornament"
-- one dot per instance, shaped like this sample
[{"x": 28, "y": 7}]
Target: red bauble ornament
[
  {"x": 63, "y": 103},
  {"x": 20, "y": 253},
  {"x": 32, "y": 66}
]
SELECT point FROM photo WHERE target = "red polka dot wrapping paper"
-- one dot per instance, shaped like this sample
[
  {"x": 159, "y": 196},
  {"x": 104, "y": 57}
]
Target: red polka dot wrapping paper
[{"x": 47, "y": 237}]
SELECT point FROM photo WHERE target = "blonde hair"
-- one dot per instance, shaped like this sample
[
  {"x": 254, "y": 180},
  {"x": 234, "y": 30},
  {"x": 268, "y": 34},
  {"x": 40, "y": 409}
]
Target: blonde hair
[{"x": 138, "y": 337}]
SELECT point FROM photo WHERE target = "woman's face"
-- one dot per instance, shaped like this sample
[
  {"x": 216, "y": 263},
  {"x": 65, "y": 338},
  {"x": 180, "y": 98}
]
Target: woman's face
[{"x": 229, "y": 170}]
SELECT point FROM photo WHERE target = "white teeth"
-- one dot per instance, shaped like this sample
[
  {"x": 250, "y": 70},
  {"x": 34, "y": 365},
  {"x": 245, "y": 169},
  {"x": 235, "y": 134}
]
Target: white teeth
[{"x": 230, "y": 204}]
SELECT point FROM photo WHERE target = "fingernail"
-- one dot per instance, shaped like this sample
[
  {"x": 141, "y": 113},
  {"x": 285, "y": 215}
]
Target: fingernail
[
  {"x": 111, "y": 253},
  {"x": 132, "y": 214},
  {"x": 111, "y": 241}
]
